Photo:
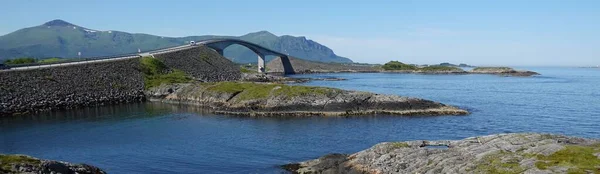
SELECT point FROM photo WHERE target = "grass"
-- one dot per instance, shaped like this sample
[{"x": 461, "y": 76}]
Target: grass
[
  {"x": 24, "y": 60},
  {"x": 252, "y": 91},
  {"x": 502, "y": 162},
  {"x": 247, "y": 71},
  {"x": 51, "y": 60},
  {"x": 157, "y": 73},
  {"x": 6, "y": 161},
  {"x": 578, "y": 159},
  {"x": 400, "y": 145}
]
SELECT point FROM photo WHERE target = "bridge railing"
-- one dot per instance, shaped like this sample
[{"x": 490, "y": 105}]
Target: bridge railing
[
  {"x": 69, "y": 63},
  {"x": 71, "y": 60},
  {"x": 91, "y": 58}
]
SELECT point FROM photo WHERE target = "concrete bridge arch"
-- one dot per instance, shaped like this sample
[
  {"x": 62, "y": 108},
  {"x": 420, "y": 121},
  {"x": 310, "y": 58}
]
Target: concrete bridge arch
[{"x": 220, "y": 44}]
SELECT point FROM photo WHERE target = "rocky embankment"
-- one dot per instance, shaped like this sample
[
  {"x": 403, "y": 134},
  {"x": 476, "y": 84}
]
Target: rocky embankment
[
  {"x": 10, "y": 164},
  {"x": 73, "y": 86},
  {"x": 503, "y": 71},
  {"x": 202, "y": 63},
  {"x": 503, "y": 153},
  {"x": 266, "y": 99}
]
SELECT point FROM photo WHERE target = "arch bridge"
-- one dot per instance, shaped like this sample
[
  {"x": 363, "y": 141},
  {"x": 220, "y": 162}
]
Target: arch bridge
[
  {"x": 220, "y": 44},
  {"x": 216, "y": 44}
]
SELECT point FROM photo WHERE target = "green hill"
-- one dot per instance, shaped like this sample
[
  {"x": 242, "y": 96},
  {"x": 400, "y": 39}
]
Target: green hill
[{"x": 58, "y": 38}]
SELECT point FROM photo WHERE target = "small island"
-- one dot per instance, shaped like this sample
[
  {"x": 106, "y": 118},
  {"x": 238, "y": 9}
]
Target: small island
[
  {"x": 396, "y": 66},
  {"x": 504, "y": 71},
  {"x": 502, "y": 153},
  {"x": 272, "y": 99}
]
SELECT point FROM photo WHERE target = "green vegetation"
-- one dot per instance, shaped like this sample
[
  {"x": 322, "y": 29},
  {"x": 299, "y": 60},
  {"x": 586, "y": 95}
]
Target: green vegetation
[
  {"x": 578, "y": 159},
  {"x": 157, "y": 73},
  {"x": 247, "y": 71},
  {"x": 7, "y": 160},
  {"x": 27, "y": 60},
  {"x": 440, "y": 68},
  {"x": 251, "y": 91},
  {"x": 399, "y": 66},
  {"x": 17, "y": 61},
  {"x": 400, "y": 145},
  {"x": 503, "y": 162},
  {"x": 51, "y": 60},
  {"x": 395, "y": 65}
]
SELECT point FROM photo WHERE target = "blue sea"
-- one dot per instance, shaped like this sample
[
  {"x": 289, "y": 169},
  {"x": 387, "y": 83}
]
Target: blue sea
[{"x": 163, "y": 138}]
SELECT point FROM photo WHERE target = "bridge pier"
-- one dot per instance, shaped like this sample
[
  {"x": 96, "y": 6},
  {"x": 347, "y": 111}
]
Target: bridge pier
[
  {"x": 220, "y": 51},
  {"x": 261, "y": 63},
  {"x": 287, "y": 65}
]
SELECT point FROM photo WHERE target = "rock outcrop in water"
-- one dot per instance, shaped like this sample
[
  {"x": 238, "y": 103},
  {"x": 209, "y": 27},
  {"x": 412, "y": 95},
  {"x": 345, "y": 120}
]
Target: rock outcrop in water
[
  {"x": 503, "y": 71},
  {"x": 29, "y": 165},
  {"x": 267, "y": 99},
  {"x": 503, "y": 153}
]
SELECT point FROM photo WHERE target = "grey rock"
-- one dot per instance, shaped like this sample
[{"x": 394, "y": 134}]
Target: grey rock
[
  {"x": 202, "y": 63},
  {"x": 503, "y": 71},
  {"x": 67, "y": 87},
  {"x": 40, "y": 166},
  {"x": 470, "y": 155}
]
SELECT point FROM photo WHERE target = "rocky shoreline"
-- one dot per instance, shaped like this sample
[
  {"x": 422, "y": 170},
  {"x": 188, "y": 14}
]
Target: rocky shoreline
[
  {"x": 268, "y": 99},
  {"x": 29, "y": 165},
  {"x": 501, "y": 153},
  {"x": 503, "y": 71}
]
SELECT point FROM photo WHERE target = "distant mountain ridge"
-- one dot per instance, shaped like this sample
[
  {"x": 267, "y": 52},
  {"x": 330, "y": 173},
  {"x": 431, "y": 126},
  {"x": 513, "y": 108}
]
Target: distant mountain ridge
[{"x": 59, "y": 38}]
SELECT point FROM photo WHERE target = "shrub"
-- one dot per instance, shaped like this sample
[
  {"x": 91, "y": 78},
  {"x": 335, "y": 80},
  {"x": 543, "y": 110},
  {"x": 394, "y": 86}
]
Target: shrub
[
  {"x": 17, "y": 61},
  {"x": 395, "y": 65}
]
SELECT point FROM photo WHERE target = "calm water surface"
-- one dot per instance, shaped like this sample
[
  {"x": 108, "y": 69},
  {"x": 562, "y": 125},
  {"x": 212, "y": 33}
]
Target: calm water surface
[{"x": 160, "y": 138}]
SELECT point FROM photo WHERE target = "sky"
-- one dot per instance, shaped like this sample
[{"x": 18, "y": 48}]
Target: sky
[{"x": 478, "y": 32}]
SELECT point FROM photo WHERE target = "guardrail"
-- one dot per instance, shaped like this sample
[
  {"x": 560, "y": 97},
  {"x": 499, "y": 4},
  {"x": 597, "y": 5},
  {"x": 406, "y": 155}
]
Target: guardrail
[
  {"x": 93, "y": 59},
  {"x": 70, "y": 63}
]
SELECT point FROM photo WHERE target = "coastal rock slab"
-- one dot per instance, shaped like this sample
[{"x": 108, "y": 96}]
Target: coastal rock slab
[
  {"x": 268, "y": 99},
  {"x": 29, "y": 165},
  {"x": 502, "y": 153}
]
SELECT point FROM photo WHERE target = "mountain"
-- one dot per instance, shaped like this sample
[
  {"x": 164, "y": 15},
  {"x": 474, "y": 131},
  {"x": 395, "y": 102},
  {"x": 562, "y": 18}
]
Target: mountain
[{"x": 59, "y": 38}]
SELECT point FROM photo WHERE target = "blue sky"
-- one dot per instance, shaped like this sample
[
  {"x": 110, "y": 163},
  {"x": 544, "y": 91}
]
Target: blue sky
[{"x": 480, "y": 32}]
